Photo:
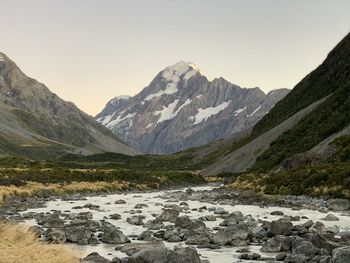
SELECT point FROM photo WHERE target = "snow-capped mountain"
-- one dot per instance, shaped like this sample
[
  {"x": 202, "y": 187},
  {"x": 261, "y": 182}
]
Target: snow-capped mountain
[{"x": 181, "y": 108}]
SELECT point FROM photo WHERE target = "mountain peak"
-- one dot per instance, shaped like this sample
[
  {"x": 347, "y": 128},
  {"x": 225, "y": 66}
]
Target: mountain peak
[{"x": 180, "y": 69}]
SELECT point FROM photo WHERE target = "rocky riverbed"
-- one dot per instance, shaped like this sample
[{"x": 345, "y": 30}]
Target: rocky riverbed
[{"x": 190, "y": 225}]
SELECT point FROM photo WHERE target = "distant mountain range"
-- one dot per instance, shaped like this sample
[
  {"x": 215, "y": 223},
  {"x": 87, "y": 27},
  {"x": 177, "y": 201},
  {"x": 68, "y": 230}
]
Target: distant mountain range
[
  {"x": 181, "y": 108},
  {"x": 35, "y": 123}
]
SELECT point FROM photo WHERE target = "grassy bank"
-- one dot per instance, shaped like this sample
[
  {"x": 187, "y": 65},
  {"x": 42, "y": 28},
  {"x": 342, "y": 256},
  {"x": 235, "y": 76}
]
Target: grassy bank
[
  {"x": 97, "y": 173},
  {"x": 18, "y": 244}
]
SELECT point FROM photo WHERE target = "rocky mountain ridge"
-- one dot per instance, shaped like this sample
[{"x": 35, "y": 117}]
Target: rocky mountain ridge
[{"x": 181, "y": 108}]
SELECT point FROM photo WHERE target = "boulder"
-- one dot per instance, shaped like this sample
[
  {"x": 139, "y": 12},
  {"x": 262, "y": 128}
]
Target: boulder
[
  {"x": 95, "y": 258},
  {"x": 78, "y": 234},
  {"x": 341, "y": 255},
  {"x": 56, "y": 236},
  {"x": 280, "y": 227},
  {"x": 183, "y": 255},
  {"x": 135, "y": 220},
  {"x": 330, "y": 217},
  {"x": 112, "y": 235},
  {"x": 133, "y": 248},
  {"x": 339, "y": 204},
  {"x": 169, "y": 215}
]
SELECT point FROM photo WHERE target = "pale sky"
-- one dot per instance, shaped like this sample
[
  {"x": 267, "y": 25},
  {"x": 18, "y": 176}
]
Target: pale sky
[{"x": 88, "y": 51}]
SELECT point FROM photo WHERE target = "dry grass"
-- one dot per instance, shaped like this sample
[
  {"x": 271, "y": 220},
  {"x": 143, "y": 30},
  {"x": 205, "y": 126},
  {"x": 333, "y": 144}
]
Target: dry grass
[
  {"x": 32, "y": 188},
  {"x": 19, "y": 245}
]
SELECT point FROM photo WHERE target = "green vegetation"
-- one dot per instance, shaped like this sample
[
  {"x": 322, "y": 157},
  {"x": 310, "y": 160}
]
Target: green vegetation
[
  {"x": 329, "y": 178},
  {"x": 331, "y": 75},
  {"x": 154, "y": 171},
  {"x": 330, "y": 117}
]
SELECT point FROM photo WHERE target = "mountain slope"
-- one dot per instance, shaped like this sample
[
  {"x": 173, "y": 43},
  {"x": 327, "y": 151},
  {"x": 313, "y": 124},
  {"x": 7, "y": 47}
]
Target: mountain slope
[
  {"x": 36, "y": 123},
  {"x": 329, "y": 86},
  {"x": 182, "y": 109}
]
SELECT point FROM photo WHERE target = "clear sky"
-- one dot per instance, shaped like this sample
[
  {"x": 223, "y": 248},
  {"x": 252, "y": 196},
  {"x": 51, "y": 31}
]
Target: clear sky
[{"x": 88, "y": 51}]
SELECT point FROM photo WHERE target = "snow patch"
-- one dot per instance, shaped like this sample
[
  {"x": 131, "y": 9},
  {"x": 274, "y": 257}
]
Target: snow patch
[
  {"x": 239, "y": 111},
  {"x": 199, "y": 96},
  {"x": 204, "y": 114},
  {"x": 255, "y": 111},
  {"x": 2, "y": 58},
  {"x": 128, "y": 119},
  {"x": 104, "y": 120},
  {"x": 167, "y": 112},
  {"x": 171, "y": 88}
]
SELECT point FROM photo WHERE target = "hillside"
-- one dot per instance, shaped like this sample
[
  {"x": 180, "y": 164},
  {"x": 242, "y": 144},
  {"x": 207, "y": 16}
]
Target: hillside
[
  {"x": 36, "y": 123},
  {"x": 181, "y": 109},
  {"x": 317, "y": 108}
]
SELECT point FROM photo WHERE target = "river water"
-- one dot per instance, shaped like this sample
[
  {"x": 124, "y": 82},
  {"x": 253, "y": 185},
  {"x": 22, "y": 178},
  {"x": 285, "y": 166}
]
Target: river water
[{"x": 107, "y": 207}]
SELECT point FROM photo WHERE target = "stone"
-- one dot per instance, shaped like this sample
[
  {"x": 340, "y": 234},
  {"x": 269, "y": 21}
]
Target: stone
[
  {"x": 280, "y": 227},
  {"x": 339, "y": 204},
  {"x": 330, "y": 217},
  {"x": 95, "y": 258},
  {"x": 341, "y": 255},
  {"x": 112, "y": 235}
]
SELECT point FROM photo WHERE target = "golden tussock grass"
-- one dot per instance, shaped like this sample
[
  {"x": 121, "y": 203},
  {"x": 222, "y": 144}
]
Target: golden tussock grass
[
  {"x": 19, "y": 245},
  {"x": 30, "y": 188}
]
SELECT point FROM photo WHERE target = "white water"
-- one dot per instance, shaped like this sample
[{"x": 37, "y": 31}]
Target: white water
[{"x": 223, "y": 255}]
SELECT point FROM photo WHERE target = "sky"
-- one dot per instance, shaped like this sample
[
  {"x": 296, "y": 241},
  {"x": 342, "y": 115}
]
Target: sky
[{"x": 89, "y": 51}]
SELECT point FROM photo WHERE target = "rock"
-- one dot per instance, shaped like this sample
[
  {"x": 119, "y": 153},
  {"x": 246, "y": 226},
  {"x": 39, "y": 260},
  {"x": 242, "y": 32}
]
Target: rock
[
  {"x": 158, "y": 254},
  {"x": 281, "y": 256},
  {"x": 295, "y": 259},
  {"x": 56, "y": 236},
  {"x": 280, "y": 227},
  {"x": 197, "y": 240},
  {"x": 208, "y": 218},
  {"x": 120, "y": 202},
  {"x": 146, "y": 236},
  {"x": 169, "y": 215},
  {"x": 320, "y": 241},
  {"x": 133, "y": 248},
  {"x": 135, "y": 220},
  {"x": 155, "y": 224},
  {"x": 140, "y": 206},
  {"x": 53, "y": 221},
  {"x": 220, "y": 211},
  {"x": 277, "y": 213},
  {"x": 115, "y": 216},
  {"x": 112, "y": 235},
  {"x": 305, "y": 248},
  {"x": 83, "y": 215},
  {"x": 250, "y": 256},
  {"x": 243, "y": 250},
  {"x": 339, "y": 204},
  {"x": 91, "y": 206},
  {"x": 95, "y": 258},
  {"x": 197, "y": 227},
  {"x": 183, "y": 255},
  {"x": 78, "y": 234},
  {"x": 232, "y": 219},
  {"x": 317, "y": 227},
  {"x": 279, "y": 243},
  {"x": 341, "y": 255},
  {"x": 330, "y": 217},
  {"x": 308, "y": 224},
  {"x": 182, "y": 222},
  {"x": 225, "y": 236},
  {"x": 344, "y": 236}
]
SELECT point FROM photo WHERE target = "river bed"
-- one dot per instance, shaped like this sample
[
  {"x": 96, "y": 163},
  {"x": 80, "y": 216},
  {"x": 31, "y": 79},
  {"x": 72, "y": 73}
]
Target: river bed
[{"x": 107, "y": 207}]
